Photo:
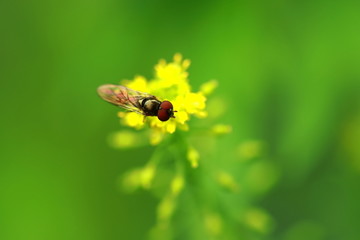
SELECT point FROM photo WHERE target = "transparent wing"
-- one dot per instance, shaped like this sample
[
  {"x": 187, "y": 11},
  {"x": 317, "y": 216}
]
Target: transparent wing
[{"x": 124, "y": 97}]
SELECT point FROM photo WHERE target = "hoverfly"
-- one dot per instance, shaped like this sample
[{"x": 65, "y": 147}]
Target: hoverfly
[{"x": 142, "y": 103}]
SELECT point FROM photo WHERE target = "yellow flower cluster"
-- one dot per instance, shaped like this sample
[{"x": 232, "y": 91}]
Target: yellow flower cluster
[{"x": 170, "y": 83}]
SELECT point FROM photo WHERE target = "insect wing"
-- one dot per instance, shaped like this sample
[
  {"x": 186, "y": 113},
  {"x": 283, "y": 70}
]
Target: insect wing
[{"x": 123, "y": 97}]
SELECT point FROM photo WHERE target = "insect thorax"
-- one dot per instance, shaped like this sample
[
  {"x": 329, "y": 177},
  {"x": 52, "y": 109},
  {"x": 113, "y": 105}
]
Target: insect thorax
[{"x": 150, "y": 106}]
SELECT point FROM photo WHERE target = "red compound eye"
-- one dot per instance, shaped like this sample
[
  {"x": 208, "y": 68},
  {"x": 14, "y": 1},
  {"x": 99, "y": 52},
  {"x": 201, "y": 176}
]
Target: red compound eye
[
  {"x": 163, "y": 115},
  {"x": 165, "y": 111},
  {"x": 166, "y": 105}
]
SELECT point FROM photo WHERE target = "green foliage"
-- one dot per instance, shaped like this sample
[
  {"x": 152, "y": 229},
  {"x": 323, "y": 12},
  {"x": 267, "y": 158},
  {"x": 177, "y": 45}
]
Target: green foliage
[{"x": 288, "y": 85}]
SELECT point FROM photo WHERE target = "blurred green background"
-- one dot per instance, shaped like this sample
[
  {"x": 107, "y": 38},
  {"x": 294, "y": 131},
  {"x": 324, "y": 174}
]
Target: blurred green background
[{"x": 289, "y": 72}]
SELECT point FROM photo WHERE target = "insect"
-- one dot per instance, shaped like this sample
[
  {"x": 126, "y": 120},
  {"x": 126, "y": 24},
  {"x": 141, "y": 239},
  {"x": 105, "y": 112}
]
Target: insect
[{"x": 142, "y": 103}]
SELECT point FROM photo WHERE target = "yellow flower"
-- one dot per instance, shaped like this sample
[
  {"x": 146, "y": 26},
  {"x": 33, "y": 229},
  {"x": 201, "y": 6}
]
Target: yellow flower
[
  {"x": 170, "y": 83},
  {"x": 221, "y": 129},
  {"x": 258, "y": 220},
  {"x": 213, "y": 224},
  {"x": 132, "y": 119},
  {"x": 125, "y": 139},
  {"x": 250, "y": 149},
  {"x": 227, "y": 181},
  {"x": 131, "y": 180},
  {"x": 139, "y": 83},
  {"x": 193, "y": 157},
  {"x": 169, "y": 181},
  {"x": 166, "y": 208},
  {"x": 177, "y": 184},
  {"x": 146, "y": 175},
  {"x": 208, "y": 87}
]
